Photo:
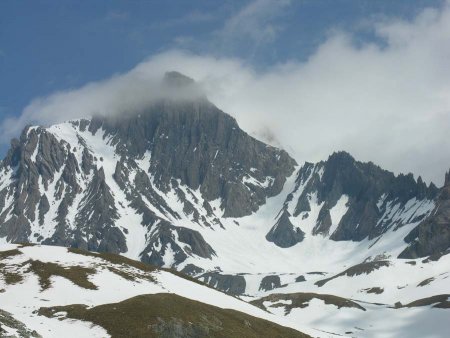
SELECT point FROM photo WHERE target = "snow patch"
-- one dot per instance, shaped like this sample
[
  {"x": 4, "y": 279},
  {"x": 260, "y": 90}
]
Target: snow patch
[{"x": 337, "y": 212}]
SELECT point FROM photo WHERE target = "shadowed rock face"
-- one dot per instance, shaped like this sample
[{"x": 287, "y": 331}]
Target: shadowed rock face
[
  {"x": 231, "y": 284},
  {"x": 365, "y": 184},
  {"x": 270, "y": 283},
  {"x": 25, "y": 172},
  {"x": 370, "y": 193},
  {"x": 432, "y": 236},
  {"x": 204, "y": 148},
  {"x": 284, "y": 234}
]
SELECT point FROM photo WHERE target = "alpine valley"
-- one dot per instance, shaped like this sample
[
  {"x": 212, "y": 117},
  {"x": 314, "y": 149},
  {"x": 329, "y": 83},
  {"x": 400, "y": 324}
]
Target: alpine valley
[{"x": 201, "y": 230}]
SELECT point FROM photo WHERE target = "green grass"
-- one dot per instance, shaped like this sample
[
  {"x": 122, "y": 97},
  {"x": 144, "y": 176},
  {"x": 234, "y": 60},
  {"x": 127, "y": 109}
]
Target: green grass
[
  {"x": 124, "y": 274},
  {"x": 76, "y": 274},
  {"x": 121, "y": 260},
  {"x": 115, "y": 259},
  {"x": 301, "y": 300},
  {"x": 10, "y": 277},
  {"x": 169, "y": 315},
  {"x": 25, "y": 244},
  {"x": 9, "y": 253}
]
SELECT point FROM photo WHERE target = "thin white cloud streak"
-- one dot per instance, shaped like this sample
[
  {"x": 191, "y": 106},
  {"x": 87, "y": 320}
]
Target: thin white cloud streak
[
  {"x": 390, "y": 105},
  {"x": 256, "y": 24},
  {"x": 254, "y": 21}
]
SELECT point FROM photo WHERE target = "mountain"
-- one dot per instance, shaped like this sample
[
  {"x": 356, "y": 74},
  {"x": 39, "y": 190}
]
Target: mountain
[
  {"x": 349, "y": 200},
  {"x": 59, "y": 292},
  {"x": 134, "y": 184},
  {"x": 179, "y": 185}
]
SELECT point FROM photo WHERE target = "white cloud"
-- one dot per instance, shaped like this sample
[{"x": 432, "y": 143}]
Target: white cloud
[
  {"x": 254, "y": 21},
  {"x": 387, "y": 104}
]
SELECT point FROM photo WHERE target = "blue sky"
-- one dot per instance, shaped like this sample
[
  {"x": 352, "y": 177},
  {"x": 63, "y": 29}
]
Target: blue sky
[{"x": 53, "y": 47}]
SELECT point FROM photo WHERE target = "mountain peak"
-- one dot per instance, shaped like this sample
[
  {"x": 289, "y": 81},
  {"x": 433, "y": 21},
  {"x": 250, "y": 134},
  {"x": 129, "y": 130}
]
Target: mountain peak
[
  {"x": 447, "y": 179},
  {"x": 342, "y": 154},
  {"x": 177, "y": 79}
]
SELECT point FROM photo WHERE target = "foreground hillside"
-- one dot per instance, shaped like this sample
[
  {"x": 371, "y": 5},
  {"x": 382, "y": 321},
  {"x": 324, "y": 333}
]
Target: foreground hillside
[
  {"x": 58, "y": 292},
  {"x": 53, "y": 292},
  {"x": 376, "y": 298}
]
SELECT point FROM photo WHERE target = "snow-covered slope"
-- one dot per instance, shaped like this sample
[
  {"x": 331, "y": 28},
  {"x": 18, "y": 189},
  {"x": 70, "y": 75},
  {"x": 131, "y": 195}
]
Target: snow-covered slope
[
  {"x": 413, "y": 295},
  {"x": 40, "y": 284},
  {"x": 42, "y": 277}
]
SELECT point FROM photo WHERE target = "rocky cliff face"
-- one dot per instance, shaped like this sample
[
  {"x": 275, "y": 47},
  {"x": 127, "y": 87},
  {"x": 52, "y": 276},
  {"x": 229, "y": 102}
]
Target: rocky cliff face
[
  {"x": 350, "y": 200},
  {"x": 432, "y": 235},
  {"x": 203, "y": 148}
]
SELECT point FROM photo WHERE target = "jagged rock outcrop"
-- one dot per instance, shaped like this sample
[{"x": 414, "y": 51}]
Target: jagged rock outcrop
[
  {"x": 31, "y": 162},
  {"x": 231, "y": 284},
  {"x": 205, "y": 149},
  {"x": 163, "y": 239},
  {"x": 283, "y": 233},
  {"x": 350, "y": 200},
  {"x": 432, "y": 236},
  {"x": 270, "y": 282}
]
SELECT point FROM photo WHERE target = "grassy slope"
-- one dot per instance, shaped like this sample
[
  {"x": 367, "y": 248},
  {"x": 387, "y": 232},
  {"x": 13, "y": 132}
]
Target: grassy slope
[
  {"x": 169, "y": 315},
  {"x": 121, "y": 260}
]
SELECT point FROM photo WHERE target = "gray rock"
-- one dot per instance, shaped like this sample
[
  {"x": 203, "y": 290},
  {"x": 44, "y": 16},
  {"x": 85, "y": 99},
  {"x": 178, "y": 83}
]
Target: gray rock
[
  {"x": 283, "y": 233},
  {"x": 432, "y": 236},
  {"x": 163, "y": 239},
  {"x": 192, "y": 270},
  {"x": 300, "y": 278},
  {"x": 270, "y": 282},
  {"x": 231, "y": 284},
  {"x": 364, "y": 184},
  {"x": 204, "y": 148}
]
